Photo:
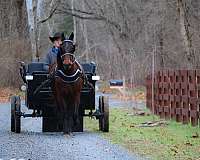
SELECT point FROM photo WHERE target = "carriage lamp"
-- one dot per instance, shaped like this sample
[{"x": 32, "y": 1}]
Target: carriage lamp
[
  {"x": 95, "y": 78},
  {"x": 29, "y": 77},
  {"x": 23, "y": 88}
]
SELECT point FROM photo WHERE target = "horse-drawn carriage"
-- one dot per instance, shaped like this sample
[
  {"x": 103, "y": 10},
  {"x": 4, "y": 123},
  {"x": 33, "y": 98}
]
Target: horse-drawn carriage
[{"x": 41, "y": 100}]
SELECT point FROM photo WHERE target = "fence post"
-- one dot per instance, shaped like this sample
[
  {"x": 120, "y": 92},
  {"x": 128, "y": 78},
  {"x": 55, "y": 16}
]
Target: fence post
[
  {"x": 148, "y": 92},
  {"x": 161, "y": 94},
  {"x": 166, "y": 98},
  {"x": 198, "y": 94},
  {"x": 184, "y": 96},
  {"x": 193, "y": 97},
  {"x": 172, "y": 94},
  {"x": 159, "y": 90},
  {"x": 177, "y": 97}
]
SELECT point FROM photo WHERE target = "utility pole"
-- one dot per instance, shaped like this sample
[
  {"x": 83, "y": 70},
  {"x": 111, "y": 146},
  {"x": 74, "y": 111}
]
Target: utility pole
[{"x": 153, "y": 77}]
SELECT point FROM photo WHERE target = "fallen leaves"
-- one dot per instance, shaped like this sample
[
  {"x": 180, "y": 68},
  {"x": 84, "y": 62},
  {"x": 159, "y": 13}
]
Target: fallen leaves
[
  {"x": 174, "y": 149},
  {"x": 140, "y": 96},
  {"x": 5, "y": 94}
]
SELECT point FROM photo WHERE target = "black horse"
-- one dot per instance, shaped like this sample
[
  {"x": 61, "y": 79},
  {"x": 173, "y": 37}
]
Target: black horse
[{"x": 68, "y": 82}]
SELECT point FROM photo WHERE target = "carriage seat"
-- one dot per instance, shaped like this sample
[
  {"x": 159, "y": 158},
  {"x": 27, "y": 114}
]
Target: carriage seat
[
  {"x": 41, "y": 67},
  {"x": 37, "y": 67},
  {"x": 89, "y": 68}
]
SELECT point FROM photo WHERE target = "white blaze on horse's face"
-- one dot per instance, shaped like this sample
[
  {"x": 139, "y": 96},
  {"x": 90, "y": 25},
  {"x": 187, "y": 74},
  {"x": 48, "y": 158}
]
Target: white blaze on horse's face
[{"x": 67, "y": 59}]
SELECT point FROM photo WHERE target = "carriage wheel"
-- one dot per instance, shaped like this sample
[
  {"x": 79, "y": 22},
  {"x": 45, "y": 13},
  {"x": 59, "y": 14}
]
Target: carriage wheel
[
  {"x": 106, "y": 114},
  {"x": 101, "y": 111},
  {"x": 13, "y": 99},
  {"x": 104, "y": 109},
  {"x": 17, "y": 115}
]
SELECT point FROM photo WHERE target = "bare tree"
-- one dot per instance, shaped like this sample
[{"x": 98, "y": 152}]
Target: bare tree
[{"x": 108, "y": 32}]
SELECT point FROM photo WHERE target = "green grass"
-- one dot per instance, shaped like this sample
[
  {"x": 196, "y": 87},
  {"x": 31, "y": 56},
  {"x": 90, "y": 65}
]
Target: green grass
[{"x": 173, "y": 141}]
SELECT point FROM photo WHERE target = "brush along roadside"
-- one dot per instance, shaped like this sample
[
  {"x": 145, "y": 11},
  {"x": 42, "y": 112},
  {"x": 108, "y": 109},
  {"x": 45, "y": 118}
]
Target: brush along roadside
[{"x": 6, "y": 93}]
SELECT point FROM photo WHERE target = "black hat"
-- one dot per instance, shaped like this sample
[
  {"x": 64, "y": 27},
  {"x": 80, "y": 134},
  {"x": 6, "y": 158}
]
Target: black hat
[{"x": 57, "y": 35}]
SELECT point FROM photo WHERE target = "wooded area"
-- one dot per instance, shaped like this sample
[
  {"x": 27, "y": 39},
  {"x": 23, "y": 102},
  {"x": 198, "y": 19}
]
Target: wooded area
[
  {"x": 14, "y": 40},
  {"x": 122, "y": 36}
]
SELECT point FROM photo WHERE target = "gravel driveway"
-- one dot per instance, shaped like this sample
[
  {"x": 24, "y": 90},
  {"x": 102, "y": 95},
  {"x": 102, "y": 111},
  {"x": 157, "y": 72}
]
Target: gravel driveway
[{"x": 32, "y": 144}]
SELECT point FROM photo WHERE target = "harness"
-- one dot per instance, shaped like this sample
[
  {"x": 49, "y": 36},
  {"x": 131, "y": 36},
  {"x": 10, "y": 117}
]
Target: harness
[{"x": 69, "y": 79}]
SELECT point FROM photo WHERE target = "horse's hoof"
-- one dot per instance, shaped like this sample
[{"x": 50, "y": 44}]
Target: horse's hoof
[
  {"x": 67, "y": 135},
  {"x": 71, "y": 134}
]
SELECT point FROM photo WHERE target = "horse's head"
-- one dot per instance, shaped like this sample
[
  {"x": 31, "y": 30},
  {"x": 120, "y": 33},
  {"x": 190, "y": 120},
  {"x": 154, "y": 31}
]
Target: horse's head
[{"x": 66, "y": 57}]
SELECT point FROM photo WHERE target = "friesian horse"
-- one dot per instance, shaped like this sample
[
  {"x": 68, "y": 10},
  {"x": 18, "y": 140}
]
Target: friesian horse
[{"x": 67, "y": 85}]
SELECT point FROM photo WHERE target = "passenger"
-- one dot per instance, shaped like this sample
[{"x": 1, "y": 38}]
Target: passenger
[{"x": 57, "y": 39}]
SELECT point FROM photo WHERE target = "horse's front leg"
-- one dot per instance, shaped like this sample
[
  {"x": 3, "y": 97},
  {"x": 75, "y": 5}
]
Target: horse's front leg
[
  {"x": 59, "y": 112},
  {"x": 68, "y": 122},
  {"x": 76, "y": 113},
  {"x": 60, "y": 117}
]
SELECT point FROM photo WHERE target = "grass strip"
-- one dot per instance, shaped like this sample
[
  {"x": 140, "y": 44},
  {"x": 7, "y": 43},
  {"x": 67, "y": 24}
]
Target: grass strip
[{"x": 169, "y": 142}]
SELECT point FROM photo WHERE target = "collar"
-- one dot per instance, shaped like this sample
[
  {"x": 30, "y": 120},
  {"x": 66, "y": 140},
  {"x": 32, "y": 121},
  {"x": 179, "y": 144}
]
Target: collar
[{"x": 71, "y": 78}]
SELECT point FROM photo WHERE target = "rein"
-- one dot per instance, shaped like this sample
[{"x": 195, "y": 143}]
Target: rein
[{"x": 65, "y": 78}]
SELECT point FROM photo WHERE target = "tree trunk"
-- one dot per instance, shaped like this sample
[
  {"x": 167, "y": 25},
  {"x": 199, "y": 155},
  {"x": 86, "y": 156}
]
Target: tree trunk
[
  {"x": 74, "y": 19},
  {"x": 185, "y": 33}
]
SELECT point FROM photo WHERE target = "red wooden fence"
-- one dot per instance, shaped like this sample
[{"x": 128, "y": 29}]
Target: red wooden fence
[{"x": 176, "y": 95}]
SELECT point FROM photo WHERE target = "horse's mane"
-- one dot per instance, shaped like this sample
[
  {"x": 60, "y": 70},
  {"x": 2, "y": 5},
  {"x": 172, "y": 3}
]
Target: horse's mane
[{"x": 59, "y": 61}]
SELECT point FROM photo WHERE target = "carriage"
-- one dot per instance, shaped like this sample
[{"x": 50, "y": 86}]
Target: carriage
[{"x": 43, "y": 103}]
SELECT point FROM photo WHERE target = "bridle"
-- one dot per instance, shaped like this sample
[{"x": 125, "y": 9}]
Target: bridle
[{"x": 73, "y": 59}]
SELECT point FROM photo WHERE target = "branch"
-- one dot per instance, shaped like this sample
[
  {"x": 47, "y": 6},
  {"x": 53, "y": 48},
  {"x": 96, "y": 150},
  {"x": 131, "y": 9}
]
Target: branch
[
  {"x": 88, "y": 17},
  {"x": 49, "y": 17},
  {"x": 51, "y": 13},
  {"x": 81, "y": 15}
]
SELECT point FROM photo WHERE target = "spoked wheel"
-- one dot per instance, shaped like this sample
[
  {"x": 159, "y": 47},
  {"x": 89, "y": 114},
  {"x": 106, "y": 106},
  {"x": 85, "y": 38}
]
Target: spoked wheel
[
  {"x": 15, "y": 114},
  {"x": 104, "y": 111}
]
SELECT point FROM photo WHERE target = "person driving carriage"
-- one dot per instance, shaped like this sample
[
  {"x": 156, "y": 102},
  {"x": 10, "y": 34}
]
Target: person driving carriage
[{"x": 56, "y": 39}]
